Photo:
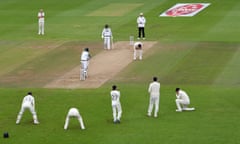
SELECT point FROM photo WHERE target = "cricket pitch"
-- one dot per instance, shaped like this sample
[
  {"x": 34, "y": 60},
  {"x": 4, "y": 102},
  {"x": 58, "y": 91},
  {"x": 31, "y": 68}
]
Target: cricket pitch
[{"x": 102, "y": 67}]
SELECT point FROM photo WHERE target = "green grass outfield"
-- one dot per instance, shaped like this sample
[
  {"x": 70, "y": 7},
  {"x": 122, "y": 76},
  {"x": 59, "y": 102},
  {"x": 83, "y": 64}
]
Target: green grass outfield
[{"x": 200, "y": 54}]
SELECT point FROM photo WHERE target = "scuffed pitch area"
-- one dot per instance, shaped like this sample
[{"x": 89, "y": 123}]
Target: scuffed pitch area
[{"x": 102, "y": 67}]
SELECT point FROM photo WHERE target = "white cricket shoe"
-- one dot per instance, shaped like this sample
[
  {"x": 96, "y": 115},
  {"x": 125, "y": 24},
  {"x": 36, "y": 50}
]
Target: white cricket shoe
[{"x": 36, "y": 122}]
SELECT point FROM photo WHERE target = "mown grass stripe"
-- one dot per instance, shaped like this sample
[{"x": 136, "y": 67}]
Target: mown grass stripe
[
  {"x": 202, "y": 65},
  {"x": 115, "y": 9}
]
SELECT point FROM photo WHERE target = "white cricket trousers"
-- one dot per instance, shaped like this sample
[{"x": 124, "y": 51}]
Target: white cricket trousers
[
  {"x": 84, "y": 65},
  {"x": 137, "y": 53},
  {"x": 117, "y": 111},
  {"x": 154, "y": 101},
  {"x": 41, "y": 28},
  {"x": 31, "y": 109},
  {"x": 73, "y": 112},
  {"x": 183, "y": 105},
  {"x": 107, "y": 43}
]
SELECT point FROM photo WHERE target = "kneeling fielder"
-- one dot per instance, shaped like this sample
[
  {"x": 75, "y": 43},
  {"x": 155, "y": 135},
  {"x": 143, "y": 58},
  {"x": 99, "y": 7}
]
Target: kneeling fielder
[
  {"x": 73, "y": 112},
  {"x": 182, "y": 101}
]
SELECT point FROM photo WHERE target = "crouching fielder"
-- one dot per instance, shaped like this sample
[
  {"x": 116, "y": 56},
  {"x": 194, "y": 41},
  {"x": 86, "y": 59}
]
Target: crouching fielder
[
  {"x": 28, "y": 103},
  {"x": 182, "y": 101},
  {"x": 137, "y": 50},
  {"x": 73, "y": 112},
  {"x": 116, "y": 105}
]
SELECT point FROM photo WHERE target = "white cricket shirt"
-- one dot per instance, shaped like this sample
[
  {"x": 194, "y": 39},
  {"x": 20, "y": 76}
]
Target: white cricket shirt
[
  {"x": 115, "y": 96},
  {"x": 41, "y": 17},
  {"x": 154, "y": 89},
  {"x": 85, "y": 56},
  {"x": 136, "y": 45},
  {"x": 28, "y": 100},
  {"x": 183, "y": 96},
  {"x": 106, "y": 32}
]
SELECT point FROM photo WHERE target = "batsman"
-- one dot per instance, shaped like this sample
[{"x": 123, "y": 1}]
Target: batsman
[{"x": 84, "y": 59}]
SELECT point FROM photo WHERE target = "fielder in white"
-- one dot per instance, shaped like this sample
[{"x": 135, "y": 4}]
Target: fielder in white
[
  {"x": 85, "y": 57},
  {"x": 73, "y": 112},
  {"x": 41, "y": 15},
  {"x": 182, "y": 101},
  {"x": 137, "y": 50},
  {"x": 107, "y": 36},
  {"x": 116, "y": 105},
  {"x": 154, "y": 90},
  {"x": 28, "y": 103}
]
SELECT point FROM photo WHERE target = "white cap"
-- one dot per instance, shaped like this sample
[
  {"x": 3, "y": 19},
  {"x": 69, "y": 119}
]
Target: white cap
[{"x": 141, "y": 14}]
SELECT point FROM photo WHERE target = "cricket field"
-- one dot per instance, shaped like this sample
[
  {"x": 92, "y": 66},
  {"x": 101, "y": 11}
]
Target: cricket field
[{"x": 200, "y": 54}]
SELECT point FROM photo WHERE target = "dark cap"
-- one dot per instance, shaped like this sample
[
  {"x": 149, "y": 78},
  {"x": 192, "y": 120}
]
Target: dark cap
[
  {"x": 5, "y": 135},
  {"x": 177, "y": 89},
  {"x": 114, "y": 87},
  {"x": 155, "y": 78},
  {"x": 86, "y": 49}
]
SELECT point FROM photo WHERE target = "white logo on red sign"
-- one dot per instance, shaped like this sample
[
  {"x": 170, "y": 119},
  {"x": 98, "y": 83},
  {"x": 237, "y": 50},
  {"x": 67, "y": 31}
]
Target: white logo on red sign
[{"x": 186, "y": 9}]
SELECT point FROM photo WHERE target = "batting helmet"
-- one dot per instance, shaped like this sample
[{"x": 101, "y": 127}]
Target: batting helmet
[{"x": 86, "y": 49}]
